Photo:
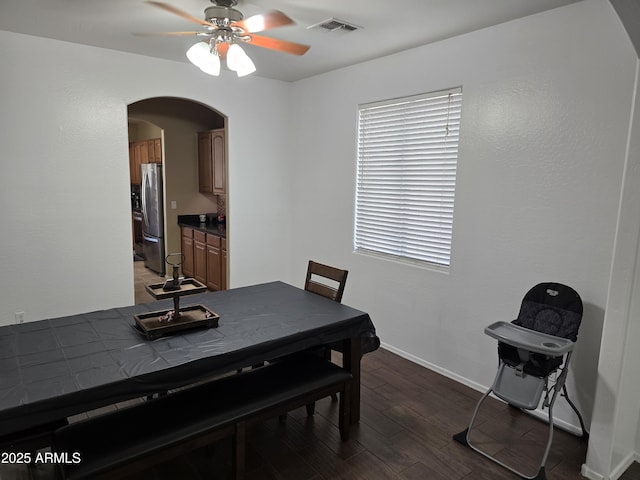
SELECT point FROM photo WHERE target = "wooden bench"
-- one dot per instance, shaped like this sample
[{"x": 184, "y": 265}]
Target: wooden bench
[
  {"x": 31, "y": 439},
  {"x": 132, "y": 439}
]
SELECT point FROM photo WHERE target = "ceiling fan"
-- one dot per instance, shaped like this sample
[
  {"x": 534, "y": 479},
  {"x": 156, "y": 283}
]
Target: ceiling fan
[{"x": 225, "y": 29}]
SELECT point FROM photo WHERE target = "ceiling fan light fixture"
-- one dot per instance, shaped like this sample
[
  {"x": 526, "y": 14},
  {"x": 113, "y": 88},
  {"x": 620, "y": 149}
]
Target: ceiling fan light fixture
[
  {"x": 246, "y": 69},
  {"x": 201, "y": 56},
  {"x": 198, "y": 53},
  {"x": 225, "y": 26},
  {"x": 239, "y": 61},
  {"x": 211, "y": 65}
]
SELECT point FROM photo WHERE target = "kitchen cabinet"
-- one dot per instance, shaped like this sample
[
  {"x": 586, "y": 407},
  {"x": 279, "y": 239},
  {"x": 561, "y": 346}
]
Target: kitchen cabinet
[
  {"x": 214, "y": 256},
  {"x": 134, "y": 163},
  {"x": 200, "y": 256},
  {"x": 154, "y": 150},
  {"x": 151, "y": 151},
  {"x": 157, "y": 150},
  {"x": 187, "y": 251},
  {"x": 223, "y": 266},
  {"x": 211, "y": 162},
  {"x": 205, "y": 175},
  {"x": 205, "y": 258},
  {"x": 146, "y": 151}
]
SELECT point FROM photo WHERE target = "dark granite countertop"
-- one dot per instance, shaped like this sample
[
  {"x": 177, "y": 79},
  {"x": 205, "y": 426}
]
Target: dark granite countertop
[{"x": 213, "y": 228}]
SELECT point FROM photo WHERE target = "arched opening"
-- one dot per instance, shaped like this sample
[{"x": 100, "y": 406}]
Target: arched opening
[{"x": 164, "y": 131}]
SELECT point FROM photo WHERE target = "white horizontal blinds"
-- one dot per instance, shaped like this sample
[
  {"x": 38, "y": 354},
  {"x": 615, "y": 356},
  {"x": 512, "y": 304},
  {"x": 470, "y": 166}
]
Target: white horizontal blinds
[{"x": 407, "y": 155}]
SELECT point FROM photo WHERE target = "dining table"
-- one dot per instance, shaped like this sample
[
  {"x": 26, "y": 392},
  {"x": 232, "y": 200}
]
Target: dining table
[{"x": 55, "y": 368}]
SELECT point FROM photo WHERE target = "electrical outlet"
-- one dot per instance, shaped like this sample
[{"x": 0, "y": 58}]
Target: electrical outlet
[
  {"x": 19, "y": 317},
  {"x": 174, "y": 204}
]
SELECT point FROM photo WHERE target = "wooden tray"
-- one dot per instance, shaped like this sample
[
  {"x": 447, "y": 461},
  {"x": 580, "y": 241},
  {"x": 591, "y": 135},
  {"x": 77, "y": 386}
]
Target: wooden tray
[
  {"x": 194, "y": 316},
  {"x": 188, "y": 286}
]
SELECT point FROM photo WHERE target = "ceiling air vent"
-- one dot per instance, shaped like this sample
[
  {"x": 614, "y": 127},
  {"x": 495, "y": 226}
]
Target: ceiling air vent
[{"x": 334, "y": 25}]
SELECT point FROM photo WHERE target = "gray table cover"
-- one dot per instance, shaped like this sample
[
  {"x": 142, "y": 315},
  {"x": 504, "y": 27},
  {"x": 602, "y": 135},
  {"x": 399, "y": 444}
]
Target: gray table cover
[{"x": 59, "y": 367}]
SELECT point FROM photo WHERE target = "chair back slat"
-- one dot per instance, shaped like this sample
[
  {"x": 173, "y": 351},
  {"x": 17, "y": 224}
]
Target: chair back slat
[
  {"x": 326, "y": 280},
  {"x": 321, "y": 289}
]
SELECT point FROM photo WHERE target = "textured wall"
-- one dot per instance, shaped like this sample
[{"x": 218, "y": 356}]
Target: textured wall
[{"x": 545, "y": 113}]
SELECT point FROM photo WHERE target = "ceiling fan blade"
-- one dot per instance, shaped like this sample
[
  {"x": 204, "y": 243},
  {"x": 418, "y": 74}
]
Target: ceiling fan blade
[
  {"x": 164, "y": 34},
  {"x": 180, "y": 13},
  {"x": 261, "y": 22},
  {"x": 275, "y": 44}
]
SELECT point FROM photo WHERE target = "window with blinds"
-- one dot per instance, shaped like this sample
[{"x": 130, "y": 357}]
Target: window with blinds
[{"x": 406, "y": 177}]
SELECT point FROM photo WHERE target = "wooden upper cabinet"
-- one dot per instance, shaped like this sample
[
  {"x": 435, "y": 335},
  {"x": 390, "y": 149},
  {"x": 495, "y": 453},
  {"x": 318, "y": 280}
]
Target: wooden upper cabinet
[
  {"x": 205, "y": 165},
  {"x": 154, "y": 147},
  {"x": 211, "y": 162},
  {"x": 157, "y": 148},
  {"x": 151, "y": 149},
  {"x": 218, "y": 152},
  {"x": 132, "y": 165},
  {"x": 136, "y": 161},
  {"x": 145, "y": 151}
]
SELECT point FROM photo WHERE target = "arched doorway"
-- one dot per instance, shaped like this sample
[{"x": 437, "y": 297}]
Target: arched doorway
[{"x": 177, "y": 121}]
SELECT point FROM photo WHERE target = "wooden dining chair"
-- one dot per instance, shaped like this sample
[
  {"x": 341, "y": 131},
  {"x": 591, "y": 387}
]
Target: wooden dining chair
[
  {"x": 329, "y": 282},
  {"x": 325, "y": 280}
]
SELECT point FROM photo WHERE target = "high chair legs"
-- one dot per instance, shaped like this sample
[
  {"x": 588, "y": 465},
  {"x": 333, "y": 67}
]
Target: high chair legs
[{"x": 551, "y": 394}]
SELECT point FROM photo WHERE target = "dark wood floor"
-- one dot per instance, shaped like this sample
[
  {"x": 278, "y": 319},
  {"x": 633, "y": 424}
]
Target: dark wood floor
[
  {"x": 409, "y": 415},
  {"x": 632, "y": 473}
]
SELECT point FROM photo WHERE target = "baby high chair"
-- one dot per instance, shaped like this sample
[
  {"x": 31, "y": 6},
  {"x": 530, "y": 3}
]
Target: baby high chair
[{"x": 534, "y": 353}]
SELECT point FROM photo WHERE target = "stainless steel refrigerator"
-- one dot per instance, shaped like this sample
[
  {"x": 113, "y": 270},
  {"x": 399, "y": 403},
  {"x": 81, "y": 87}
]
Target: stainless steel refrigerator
[{"x": 152, "y": 217}]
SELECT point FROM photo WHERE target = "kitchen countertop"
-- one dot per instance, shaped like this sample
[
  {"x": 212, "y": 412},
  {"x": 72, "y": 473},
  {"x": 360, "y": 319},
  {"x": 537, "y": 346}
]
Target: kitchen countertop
[{"x": 213, "y": 228}]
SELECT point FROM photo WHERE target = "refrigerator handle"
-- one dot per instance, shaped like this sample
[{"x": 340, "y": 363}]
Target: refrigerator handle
[
  {"x": 143, "y": 191},
  {"x": 150, "y": 239}
]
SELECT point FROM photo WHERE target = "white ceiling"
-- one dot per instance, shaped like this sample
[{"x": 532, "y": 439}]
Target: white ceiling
[{"x": 386, "y": 26}]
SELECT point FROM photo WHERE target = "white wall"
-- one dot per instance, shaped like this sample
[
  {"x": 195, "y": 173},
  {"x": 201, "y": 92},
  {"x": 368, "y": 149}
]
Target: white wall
[
  {"x": 545, "y": 113},
  {"x": 614, "y": 428},
  {"x": 65, "y": 245}
]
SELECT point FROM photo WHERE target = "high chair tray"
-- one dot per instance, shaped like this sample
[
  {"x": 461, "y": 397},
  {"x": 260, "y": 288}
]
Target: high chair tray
[{"x": 527, "y": 339}]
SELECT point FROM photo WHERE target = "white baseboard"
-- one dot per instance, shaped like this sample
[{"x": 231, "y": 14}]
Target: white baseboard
[
  {"x": 590, "y": 474},
  {"x": 540, "y": 414},
  {"x": 616, "y": 471},
  {"x": 435, "y": 368}
]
